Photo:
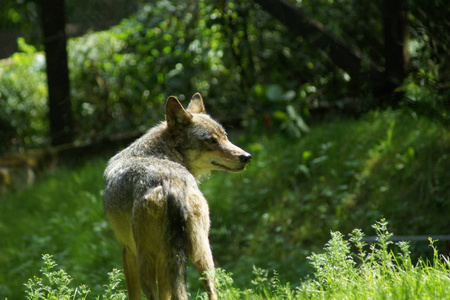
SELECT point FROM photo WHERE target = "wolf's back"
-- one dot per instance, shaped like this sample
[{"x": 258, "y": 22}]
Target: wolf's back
[{"x": 130, "y": 180}]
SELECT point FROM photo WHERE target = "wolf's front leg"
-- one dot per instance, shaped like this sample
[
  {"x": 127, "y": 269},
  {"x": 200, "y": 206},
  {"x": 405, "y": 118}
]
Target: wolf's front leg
[
  {"x": 197, "y": 230},
  {"x": 200, "y": 251},
  {"x": 202, "y": 259}
]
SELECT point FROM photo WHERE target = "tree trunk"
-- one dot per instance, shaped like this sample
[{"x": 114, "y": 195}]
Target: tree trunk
[{"x": 60, "y": 110}]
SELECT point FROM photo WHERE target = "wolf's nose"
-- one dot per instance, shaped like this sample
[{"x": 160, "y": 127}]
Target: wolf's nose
[{"x": 245, "y": 158}]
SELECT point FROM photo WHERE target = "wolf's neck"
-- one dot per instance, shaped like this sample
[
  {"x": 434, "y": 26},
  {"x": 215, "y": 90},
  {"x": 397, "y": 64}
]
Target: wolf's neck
[{"x": 157, "y": 143}]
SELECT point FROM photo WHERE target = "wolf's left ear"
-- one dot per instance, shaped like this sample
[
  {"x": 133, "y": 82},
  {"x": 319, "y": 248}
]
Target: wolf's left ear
[
  {"x": 196, "y": 105},
  {"x": 176, "y": 114}
]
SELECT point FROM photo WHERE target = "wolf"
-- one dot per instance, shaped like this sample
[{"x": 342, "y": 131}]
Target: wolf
[{"x": 154, "y": 205}]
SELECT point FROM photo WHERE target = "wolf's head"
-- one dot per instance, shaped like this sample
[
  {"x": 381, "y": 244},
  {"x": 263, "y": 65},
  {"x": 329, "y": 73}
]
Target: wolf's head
[{"x": 202, "y": 141}]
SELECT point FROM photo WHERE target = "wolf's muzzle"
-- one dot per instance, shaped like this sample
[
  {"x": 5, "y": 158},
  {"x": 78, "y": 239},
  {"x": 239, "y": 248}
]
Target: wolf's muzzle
[{"x": 245, "y": 158}]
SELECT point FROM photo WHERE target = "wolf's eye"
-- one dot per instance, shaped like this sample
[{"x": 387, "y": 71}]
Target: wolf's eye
[{"x": 211, "y": 141}]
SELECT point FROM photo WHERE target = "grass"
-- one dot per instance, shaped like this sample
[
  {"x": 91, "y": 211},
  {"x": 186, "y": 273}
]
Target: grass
[
  {"x": 373, "y": 272},
  {"x": 376, "y": 272},
  {"x": 61, "y": 215},
  {"x": 343, "y": 174}
]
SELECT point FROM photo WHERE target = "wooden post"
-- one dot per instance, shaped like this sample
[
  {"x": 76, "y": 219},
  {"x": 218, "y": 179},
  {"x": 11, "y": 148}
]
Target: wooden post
[
  {"x": 60, "y": 110},
  {"x": 395, "y": 48}
]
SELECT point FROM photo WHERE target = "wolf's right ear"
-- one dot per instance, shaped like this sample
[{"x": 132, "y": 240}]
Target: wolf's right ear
[
  {"x": 196, "y": 105},
  {"x": 176, "y": 114}
]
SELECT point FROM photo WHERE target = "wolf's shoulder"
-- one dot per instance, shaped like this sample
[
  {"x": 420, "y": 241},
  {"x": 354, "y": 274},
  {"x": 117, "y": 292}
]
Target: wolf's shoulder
[{"x": 147, "y": 167}]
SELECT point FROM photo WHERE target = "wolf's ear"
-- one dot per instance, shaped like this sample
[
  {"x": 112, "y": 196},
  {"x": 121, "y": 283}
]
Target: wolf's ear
[
  {"x": 196, "y": 105},
  {"x": 175, "y": 113}
]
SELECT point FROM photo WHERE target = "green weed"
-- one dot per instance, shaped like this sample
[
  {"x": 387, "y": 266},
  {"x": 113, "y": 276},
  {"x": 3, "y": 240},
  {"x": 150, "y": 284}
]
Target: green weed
[
  {"x": 377, "y": 272},
  {"x": 55, "y": 284}
]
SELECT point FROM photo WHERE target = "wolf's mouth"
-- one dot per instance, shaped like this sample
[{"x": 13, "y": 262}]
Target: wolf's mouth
[{"x": 227, "y": 168}]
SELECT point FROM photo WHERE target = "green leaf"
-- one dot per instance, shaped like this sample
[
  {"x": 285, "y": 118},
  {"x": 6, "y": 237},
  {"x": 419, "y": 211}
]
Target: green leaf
[{"x": 274, "y": 92}]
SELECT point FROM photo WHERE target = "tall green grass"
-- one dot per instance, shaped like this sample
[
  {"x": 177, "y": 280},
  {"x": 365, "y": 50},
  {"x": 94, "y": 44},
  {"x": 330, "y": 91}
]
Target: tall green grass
[
  {"x": 344, "y": 174},
  {"x": 367, "y": 272},
  {"x": 350, "y": 269}
]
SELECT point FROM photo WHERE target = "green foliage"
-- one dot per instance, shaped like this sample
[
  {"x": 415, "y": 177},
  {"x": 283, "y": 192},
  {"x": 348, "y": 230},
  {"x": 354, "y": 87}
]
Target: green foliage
[
  {"x": 358, "y": 23},
  {"x": 23, "y": 93},
  {"x": 132, "y": 68},
  {"x": 61, "y": 215},
  {"x": 428, "y": 87},
  {"x": 56, "y": 285},
  {"x": 244, "y": 62},
  {"x": 17, "y": 14},
  {"x": 121, "y": 77},
  {"x": 429, "y": 47},
  {"x": 375, "y": 273},
  {"x": 339, "y": 273},
  {"x": 347, "y": 172}
]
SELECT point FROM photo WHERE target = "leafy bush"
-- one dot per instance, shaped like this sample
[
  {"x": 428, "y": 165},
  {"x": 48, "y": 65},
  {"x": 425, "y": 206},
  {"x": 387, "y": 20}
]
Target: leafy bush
[{"x": 23, "y": 94}]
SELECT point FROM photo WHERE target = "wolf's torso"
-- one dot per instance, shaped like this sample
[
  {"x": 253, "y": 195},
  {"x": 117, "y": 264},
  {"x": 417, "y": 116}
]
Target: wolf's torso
[{"x": 148, "y": 179}]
